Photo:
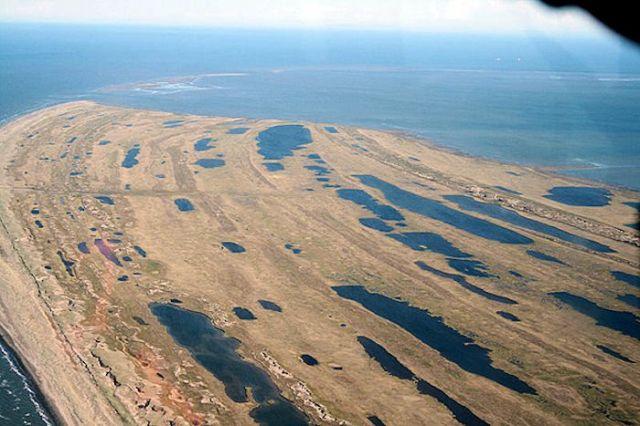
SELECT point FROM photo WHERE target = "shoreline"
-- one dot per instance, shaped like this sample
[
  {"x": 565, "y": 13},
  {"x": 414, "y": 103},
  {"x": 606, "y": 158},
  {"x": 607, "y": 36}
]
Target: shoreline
[
  {"x": 44, "y": 404},
  {"x": 37, "y": 347},
  {"x": 554, "y": 171},
  {"x": 401, "y": 133}
]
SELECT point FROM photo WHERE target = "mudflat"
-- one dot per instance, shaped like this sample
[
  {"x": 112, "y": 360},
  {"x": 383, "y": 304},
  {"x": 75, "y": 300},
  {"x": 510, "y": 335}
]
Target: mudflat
[{"x": 205, "y": 270}]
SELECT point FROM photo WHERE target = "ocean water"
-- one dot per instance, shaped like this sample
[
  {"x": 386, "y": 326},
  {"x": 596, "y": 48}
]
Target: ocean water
[
  {"x": 571, "y": 103},
  {"x": 20, "y": 402},
  {"x": 574, "y": 120},
  {"x": 566, "y": 103}
]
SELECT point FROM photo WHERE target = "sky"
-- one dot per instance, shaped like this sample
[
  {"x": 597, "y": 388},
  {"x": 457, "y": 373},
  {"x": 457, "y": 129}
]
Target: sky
[{"x": 460, "y": 16}]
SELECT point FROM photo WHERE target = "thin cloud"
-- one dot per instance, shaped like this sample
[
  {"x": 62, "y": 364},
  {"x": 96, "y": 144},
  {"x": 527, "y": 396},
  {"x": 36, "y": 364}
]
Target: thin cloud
[{"x": 495, "y": 16}]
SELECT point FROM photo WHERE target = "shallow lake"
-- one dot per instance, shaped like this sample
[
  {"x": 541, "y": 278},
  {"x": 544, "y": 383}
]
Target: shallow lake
[
  {"x": 496, "y": 211},
  {"x": 580, "y": 196},
  {"x": 433, "y": 332},
  {"x": 278, "y": 142},
  {"x": 130, "y": 160},
  {"x": 217, "y": 352},
  {"x": 437, "y": 211},
  {"x": 184, "y": 205},
  {"x": 394, "y": 367},
  {"x": 622, "y": 321}
]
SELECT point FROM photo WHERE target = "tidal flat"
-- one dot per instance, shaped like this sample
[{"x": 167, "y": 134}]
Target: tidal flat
[{"x": 240, "y": 290}]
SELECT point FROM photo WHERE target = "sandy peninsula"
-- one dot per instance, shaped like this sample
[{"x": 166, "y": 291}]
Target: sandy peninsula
[{"x": 176, "y": 269}]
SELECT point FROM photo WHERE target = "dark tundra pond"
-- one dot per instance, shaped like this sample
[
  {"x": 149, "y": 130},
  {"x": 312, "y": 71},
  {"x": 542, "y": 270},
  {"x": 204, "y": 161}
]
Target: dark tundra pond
[
  {"x": 318, "y": 170},
  {"x": 67, "y": 263},
  {"x": 183, "y": 204},
  {"x": 433, "y": 332},
  {"x": 421, "y": 241},
  {"x": 140, "y": 251},
  {"x": 270, "y": 306},
  {"x": 375, "y": 223},
  {"x": 624, "y": 322},
  {"x": 273, "y": 166},
  {"x": 244, "y": 313},
  {"x": 584, "y": 196},
  {"x": 237, "y": 131},
  {"x": 203, "y": 144},
  {"x": 375, "y": 421},
  {"x": 309, "y": 360},
  {"x": 614, "y": 354},
  {"x": 331, "y": 129},
  {"x": 217, "y": 352},
  {"x": 437, "y": 211},
  {"x": 360, "y": 197},
  {"x": 130, "y": 159},
  {"x": 233, "y": 247},
  {"x": 294, "y": 250},
  {"x": 462, "y": 281},
  {"x": 104, "y": 199},
  {"x": 83, "y": 248},
  {"x": 394, "y": 367},
  {"x": 209, "y": 163},
  {"x": 544, "y": 256},
  {"x": 498, "y": 212},
  {"x": 630, "y": 299},
  {"x": 473, "y": 268},
  {"x": 316, "y": 158},
  {"x": 632, "y": 280},
  {"x": 508, "y": 315},
  {"x": 278, "y": 142}
]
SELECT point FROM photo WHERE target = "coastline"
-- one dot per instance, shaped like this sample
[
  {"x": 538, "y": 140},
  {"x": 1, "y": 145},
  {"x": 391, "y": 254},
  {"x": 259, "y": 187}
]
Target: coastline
[
  {"x": 553, "y": 171},
  {"x": 45, "y": 406},
  {"x": 548, "y": 170},
  {"x": 28, "y": 324}
]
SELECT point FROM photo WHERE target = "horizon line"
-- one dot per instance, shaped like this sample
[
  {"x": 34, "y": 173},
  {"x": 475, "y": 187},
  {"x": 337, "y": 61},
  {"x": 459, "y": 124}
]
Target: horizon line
[{"x": 605, "y": 33}]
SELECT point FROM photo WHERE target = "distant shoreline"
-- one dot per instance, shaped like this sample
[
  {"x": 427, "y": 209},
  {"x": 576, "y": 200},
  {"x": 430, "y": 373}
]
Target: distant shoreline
[{"x": 549, "y": 170}]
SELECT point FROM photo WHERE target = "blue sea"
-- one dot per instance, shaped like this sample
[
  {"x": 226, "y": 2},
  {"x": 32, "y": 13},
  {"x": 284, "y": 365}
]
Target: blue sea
[
  {"x": 569, "y": 103},
  {"x": 20, "y": 401}
]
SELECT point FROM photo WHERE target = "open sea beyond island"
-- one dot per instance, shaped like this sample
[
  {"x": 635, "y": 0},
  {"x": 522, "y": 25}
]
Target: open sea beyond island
[{"x": 567, "y": 103}]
